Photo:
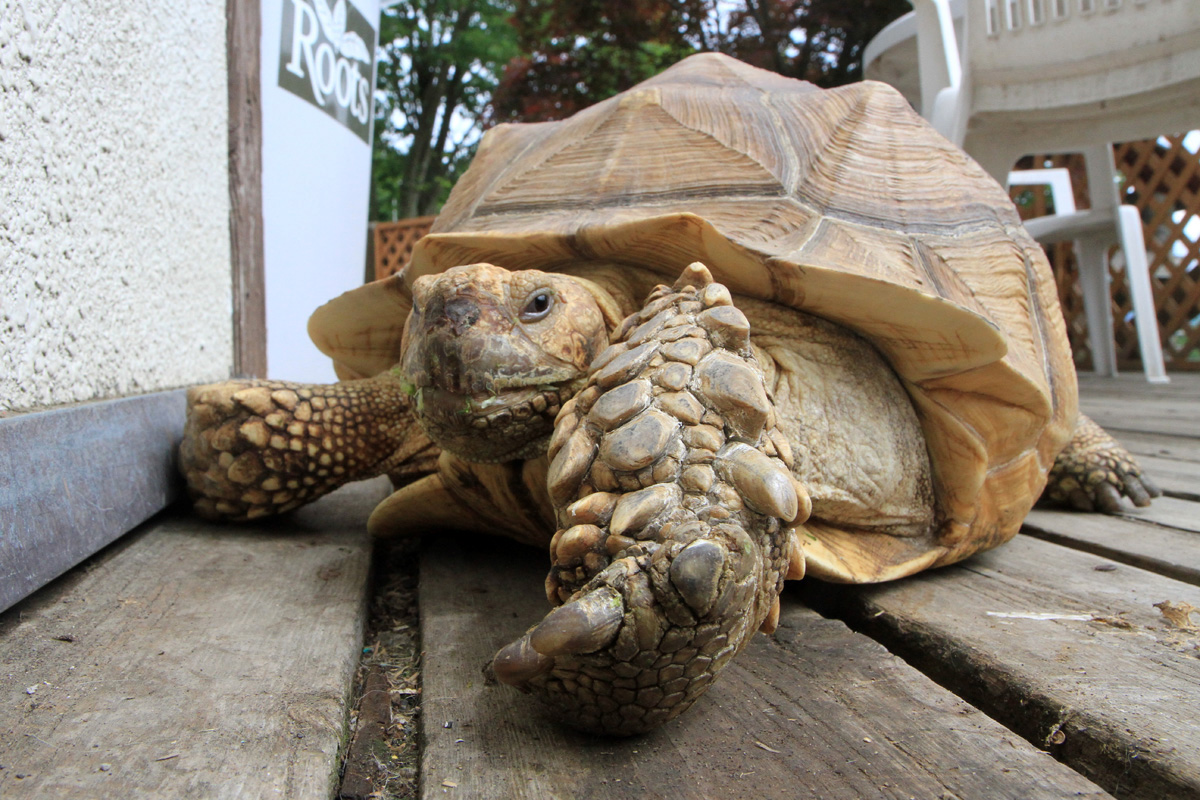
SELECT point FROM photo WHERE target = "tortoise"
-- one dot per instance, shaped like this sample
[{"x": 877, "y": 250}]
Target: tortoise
[{"x": 721, "y": 330}]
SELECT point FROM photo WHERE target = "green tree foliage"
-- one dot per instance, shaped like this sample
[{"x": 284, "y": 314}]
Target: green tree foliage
[
  {"x": 438, "y": 62},
  {"x": 815, "y": 40},
  {"x": 476, "y": 63},
  {"x": 578, "y": 52}
]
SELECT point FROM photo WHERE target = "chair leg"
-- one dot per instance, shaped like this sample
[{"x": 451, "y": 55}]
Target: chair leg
[
  {"x": 996, "y": 157},
  {"x": 1137, "y": 272},
  {"x": 1092, "y": 256}
]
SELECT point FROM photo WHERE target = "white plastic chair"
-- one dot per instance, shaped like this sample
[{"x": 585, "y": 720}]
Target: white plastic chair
[
  {"x": 1092, "y": 232},
  {"x": 1053, "y": 76}
]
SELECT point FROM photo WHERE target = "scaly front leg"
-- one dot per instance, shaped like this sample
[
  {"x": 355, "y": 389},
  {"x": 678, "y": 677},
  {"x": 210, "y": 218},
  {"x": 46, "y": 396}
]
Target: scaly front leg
[
  {"x": 674, "y": 498},
  {"x": 256, "y": 448}
]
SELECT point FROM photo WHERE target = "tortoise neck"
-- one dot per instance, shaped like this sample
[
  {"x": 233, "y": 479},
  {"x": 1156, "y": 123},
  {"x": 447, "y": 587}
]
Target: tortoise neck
[{"x": 620, "y": 290}]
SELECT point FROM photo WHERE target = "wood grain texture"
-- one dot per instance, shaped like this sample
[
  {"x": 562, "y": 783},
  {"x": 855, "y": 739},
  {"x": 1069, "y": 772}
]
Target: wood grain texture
[
  {"x": 1063, "y": 647},
  {"x": 191, "y": 661},
  {"x": 1097, "y": 390},
  {"x": 243, "y": 36},
  {"x": 1167, "y": 550},
  {"x": 1170, "y": 414},
  {"x": 1153, "y": 419},
  {"x": 1133, "y": 386},
  {"x": 1168, "y": 512},
  {"x": 1158, "y": 445},
  {"x": 1176, "y": 478},
  {"x": 74, "y": 479},
  {"x": 816, "y": 711}
]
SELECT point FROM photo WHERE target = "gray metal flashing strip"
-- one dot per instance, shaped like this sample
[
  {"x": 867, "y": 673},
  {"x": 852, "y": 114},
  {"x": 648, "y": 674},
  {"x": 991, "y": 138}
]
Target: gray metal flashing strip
[{"x": 73, "y": 480}]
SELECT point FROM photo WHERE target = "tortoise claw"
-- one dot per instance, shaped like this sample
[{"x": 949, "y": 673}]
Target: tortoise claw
[
  {"x": 583, "y": 625},
  {"x": 1093, "y": 472},
  {"x": 1108, "y": 498},
  {"x": 1141, "y": 490},
  {"x": 1080, "y": 500},
  {"x": 518, "y": 663}
]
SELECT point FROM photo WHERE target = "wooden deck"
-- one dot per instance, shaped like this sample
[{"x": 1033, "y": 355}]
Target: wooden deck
[
  {"x": 1050, "y": 644},
  {"x": 193, "y": 661}
]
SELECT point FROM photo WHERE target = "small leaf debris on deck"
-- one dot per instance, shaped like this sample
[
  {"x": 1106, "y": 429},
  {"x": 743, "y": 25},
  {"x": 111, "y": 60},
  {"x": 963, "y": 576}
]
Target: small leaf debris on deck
[{"x": 1178, "y": 614}]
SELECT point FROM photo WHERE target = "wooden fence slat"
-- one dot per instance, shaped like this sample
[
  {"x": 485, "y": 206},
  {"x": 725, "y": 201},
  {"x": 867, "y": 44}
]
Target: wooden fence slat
[{"x": 243, "y": 37}]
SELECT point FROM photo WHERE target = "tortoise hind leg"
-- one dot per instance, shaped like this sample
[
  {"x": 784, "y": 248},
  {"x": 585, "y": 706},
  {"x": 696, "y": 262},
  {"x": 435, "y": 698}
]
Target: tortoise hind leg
[{"x": 1093, "y": 471}]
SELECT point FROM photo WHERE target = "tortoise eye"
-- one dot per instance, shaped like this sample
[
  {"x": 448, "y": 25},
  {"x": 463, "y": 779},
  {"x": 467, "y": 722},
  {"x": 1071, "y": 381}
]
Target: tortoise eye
[{"x": 537, "y": 306}]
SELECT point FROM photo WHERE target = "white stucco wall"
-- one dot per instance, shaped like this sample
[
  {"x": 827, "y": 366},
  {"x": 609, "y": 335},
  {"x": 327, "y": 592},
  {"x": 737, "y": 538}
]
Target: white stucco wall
[{"x": 114, "y": 203}]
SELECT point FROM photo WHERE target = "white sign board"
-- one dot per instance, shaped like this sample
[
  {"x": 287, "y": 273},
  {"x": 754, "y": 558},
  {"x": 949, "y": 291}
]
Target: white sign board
[{"x": 318, "y": 75}]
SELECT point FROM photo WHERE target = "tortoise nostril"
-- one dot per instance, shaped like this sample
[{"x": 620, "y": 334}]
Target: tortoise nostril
[{"x": 461, "y": 314}]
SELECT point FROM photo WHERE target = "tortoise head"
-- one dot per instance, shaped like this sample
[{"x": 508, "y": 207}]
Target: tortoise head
[{"x": 491, "y": 355}]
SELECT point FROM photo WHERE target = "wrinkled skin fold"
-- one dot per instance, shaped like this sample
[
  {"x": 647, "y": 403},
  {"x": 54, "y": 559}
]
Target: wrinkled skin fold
[{"x": 673, "y": 490}]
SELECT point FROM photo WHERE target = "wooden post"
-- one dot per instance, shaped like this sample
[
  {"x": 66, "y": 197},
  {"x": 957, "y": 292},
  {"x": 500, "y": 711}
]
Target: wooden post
[{"x": 243, "y": 36}]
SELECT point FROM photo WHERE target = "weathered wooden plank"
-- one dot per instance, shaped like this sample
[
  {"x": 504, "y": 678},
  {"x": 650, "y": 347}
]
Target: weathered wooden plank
[
  {"x": 816, "y": 711},
  {"x": 191, "y": 661},
  {"x": 1157, "y": 421},
  {"x": 1180, "y": 390},
  {"x": 1175, "y": 416},
  {"x": 74, "y": 479},
  {"x": 1176, "y": 478},
  {"x": 1169, "y": 512},
  {"x": 1166, "y": 550},
  {"x": 1061, "y": 646},
  {"x": 1159, "y": 445},
  {"x": 243, "y": 37},
  {"x": 1135, "y": 387}
]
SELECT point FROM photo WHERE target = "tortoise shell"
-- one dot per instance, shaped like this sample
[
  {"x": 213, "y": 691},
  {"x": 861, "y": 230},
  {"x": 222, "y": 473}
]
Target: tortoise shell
[{"x": 842, "y": 203}]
